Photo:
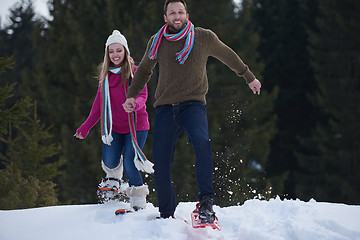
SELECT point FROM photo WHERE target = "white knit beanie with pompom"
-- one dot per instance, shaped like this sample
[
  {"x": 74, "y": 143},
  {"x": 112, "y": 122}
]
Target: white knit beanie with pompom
[{"x": 117, "y": 37}]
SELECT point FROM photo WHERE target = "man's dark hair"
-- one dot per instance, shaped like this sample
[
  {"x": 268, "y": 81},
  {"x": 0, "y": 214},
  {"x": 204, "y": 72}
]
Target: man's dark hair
[{"x": 170, "y": 1}]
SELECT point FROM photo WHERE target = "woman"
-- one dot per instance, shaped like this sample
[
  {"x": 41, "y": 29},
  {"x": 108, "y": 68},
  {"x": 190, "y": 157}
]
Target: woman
[{"x": 116, "y": 70}]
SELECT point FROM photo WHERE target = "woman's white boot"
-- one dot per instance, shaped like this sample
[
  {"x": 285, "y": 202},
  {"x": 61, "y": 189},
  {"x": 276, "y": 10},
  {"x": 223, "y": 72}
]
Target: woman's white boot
[{"x": 137, "y": 196}]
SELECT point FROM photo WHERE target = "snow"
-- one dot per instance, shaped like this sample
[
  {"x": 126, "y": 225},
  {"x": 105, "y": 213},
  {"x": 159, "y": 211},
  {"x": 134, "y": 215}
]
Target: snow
[{"x": 275, "y": 219}]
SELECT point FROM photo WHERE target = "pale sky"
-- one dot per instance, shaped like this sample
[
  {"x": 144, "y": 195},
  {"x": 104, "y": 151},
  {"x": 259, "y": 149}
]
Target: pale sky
[{"x": 40, "y": 7}]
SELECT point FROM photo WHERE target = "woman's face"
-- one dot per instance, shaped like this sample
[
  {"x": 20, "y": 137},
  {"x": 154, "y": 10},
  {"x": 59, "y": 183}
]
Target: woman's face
[{"x": 116, "y": 53}]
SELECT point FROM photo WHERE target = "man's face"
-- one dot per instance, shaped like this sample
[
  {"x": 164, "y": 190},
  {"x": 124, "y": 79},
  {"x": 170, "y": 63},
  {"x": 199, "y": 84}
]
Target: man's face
[{"x": 176, "y": 16}]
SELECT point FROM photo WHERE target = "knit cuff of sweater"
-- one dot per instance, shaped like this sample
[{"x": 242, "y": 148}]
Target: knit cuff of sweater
[
  {"x": 137, "y": 107},
  {"x": 248, "y": 76}
]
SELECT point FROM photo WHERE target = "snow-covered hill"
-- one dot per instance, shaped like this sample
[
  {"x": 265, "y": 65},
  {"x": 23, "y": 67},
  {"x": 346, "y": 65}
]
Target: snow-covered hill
[{"x": 255, "y": 220}]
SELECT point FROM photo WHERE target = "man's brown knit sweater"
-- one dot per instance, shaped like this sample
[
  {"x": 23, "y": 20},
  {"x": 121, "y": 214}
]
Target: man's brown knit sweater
[{"x": 179, "y": 83}]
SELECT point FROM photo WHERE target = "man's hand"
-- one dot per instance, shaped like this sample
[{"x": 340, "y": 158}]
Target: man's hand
[
  {"x": 255, "y": 86},
  {"x": 129, "y": 105}
]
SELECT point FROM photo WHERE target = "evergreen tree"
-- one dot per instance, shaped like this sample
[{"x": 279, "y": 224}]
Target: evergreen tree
[
  {"x": 244, "y": 135},
  {"x": 75, "y": 38},
  {"x": 332, "y": 157},
  {"x": 26, "y": 176},
  {"x": 16, "y": 40},
  {"x": 18, "y": 192},
  {"x": 283, "y": 49},
  {"x": 9, "y": 113},
  {"x": 32, "y": 148}
]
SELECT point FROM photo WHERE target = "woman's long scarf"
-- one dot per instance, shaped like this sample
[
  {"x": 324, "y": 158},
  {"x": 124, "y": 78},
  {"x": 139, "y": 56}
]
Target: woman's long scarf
[
  {"x": 106, "y": 116},
  {"x": 187, "y": 32}
]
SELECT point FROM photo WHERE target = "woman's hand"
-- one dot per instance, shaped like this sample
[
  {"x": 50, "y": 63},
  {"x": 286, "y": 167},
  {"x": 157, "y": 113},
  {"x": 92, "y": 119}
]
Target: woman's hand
[
  {"x": 129, "y": 105},
  {"x": 78, "y": 135}
]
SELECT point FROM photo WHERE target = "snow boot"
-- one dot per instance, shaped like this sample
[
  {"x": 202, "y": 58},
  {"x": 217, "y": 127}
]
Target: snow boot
[
  {"x": 137, "y": 196},
  {"x": 112, "y": 186},
  {"x": 204, "y": 215},
  {"x": 205, "y": 208}
]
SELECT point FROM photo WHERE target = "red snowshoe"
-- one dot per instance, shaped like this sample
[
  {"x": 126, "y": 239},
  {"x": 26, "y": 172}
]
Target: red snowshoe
[
  {"x": 202, "y": 217},
  {"x": 123, "y": 211}
]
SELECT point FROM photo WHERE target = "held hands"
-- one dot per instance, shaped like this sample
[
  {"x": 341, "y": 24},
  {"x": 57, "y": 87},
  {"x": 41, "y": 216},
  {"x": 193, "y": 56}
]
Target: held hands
[
  {"x": 255, "y": 86},
  {"x": 129, "y": 105}
]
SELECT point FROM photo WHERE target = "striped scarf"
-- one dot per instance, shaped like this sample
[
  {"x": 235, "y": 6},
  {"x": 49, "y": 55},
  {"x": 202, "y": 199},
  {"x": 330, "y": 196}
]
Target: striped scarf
[
  {"x": 106, "y": 116},
  {"x": 187, "y": 32},
  {"x": 140, "y": 160}
]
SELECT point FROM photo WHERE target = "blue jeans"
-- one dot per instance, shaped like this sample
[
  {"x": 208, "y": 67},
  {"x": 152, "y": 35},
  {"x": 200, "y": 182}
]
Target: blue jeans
[
  {"x": 121, "y": 144},
  {"x": 169, "y": 121}
]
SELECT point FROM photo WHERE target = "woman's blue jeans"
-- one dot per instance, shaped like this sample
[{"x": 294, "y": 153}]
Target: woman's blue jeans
[
  {"x": 122, "y": 144},
  {"x": 169, "y": 121}
]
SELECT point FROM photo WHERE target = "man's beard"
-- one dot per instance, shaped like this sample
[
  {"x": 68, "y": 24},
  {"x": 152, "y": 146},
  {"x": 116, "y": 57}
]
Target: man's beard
[{"x": 172, "y": 29}]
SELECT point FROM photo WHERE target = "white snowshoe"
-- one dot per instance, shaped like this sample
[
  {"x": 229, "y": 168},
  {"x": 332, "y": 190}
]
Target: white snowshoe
[{"x": 112, "y": 189}]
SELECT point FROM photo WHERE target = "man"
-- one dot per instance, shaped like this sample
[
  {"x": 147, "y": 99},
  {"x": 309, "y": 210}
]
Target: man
[{"x": 182, "y": 52}]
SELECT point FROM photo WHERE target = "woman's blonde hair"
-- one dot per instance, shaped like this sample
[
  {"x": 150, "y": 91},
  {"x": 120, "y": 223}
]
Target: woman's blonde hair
[{"x": 127, "y": 66}]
